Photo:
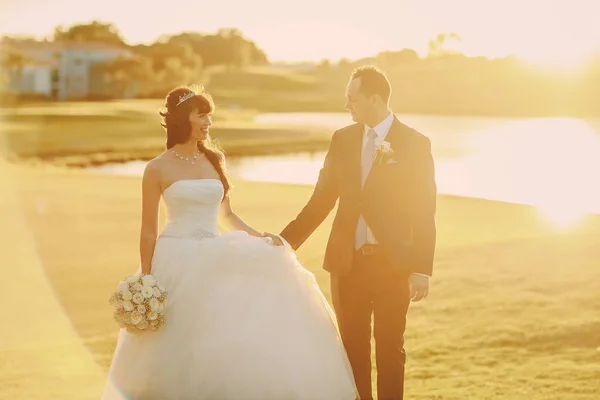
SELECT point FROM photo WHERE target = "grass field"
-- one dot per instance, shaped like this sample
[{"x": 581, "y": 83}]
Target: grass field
[
  {"x": 83, "y": 134},
  {"x": 512, "y": 313}
]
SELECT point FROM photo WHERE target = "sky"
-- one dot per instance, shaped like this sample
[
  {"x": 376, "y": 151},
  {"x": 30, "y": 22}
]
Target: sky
[{"x": 552, "y": 32}]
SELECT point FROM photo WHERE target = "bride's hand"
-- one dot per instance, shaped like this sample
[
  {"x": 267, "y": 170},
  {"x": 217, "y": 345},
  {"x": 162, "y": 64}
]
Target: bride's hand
[{"x": 275, "y": 239}]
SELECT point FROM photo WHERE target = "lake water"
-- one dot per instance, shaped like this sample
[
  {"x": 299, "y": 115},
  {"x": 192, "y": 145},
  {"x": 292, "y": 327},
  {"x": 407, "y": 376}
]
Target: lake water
[{"x": 552, "y": 163}]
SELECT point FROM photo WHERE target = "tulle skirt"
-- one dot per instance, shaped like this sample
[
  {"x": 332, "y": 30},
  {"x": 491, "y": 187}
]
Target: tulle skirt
[{"x": 244, "y": 321}]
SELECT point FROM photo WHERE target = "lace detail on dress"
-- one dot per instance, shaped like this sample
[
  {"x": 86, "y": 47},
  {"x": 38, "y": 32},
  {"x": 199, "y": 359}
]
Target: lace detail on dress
[{"x": 195, "y": 235}]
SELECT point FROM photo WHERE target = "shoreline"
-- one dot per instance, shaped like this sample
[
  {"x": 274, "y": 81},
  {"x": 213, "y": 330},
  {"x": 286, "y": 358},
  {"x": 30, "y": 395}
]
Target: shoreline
[
  {"x": 226, "y": 102},
  {"x": 95, "y": 159},
  {"x": 66, "y": 169},
  {"x": 89, "y": 168},
  {"x": 85, "y": 134}
]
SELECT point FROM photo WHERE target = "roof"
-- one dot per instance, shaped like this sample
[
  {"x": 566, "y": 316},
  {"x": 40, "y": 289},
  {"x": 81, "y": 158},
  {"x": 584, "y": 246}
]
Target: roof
[{"x": 31, "y": 44}]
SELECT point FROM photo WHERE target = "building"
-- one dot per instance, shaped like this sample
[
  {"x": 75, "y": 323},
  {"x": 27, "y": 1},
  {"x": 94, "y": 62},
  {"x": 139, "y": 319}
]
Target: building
[
  {"x": 33, "y": 77},
  {"x": 62, "y": 70}
]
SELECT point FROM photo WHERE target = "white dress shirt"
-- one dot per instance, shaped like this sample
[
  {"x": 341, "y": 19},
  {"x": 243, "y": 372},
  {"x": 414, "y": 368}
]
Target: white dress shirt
[{"x": 381, "y": 130}]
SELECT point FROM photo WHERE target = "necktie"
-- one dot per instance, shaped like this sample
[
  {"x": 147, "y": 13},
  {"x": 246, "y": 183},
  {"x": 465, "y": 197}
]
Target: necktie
[
  {"x": 366, "y": 164},
  {"x": 367, "y": 155}
]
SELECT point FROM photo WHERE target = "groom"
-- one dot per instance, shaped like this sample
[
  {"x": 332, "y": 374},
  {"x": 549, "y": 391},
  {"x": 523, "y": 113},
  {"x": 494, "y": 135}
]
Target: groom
[{"x": 380, "y": 251}]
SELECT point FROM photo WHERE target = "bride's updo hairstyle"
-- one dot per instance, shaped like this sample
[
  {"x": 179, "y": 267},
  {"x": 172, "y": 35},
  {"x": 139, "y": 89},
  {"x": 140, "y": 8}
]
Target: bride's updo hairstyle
[{"x": 179, "y": 104}]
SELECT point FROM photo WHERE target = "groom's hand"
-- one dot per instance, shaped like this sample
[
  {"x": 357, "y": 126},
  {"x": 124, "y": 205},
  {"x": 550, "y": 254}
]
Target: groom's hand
[
  {"x": 419, "y": 286},
  {"x": 276, "y": 240}
]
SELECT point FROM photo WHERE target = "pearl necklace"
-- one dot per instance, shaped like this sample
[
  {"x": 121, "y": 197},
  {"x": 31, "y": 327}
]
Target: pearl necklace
[{"x": 191, "y": 159}]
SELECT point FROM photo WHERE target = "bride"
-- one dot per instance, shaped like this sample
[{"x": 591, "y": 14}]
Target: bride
[{"x": 244, "y": 320}]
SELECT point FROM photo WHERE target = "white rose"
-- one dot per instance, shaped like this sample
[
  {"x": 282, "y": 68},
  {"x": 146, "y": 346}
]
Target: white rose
[
  {"x": 138, "y": 298},
  {"x": 154, "y": 304},
  {"x": 154, "y": 322},
  {"x": 148, "y": 280},
  {"x": 147, "y": 291},
  {"x": 136, "y": 318},
  {"x": 385, "y": 146},
  {"x": 127, "y": 295},
  {"x": 119, "y": 318},
  {"x": 133, "y": 279},
  {"x": 127, "y": 306},
  {"x": 126, "y": 317},
  {"x": 156, "y": 292},
  {"x": 152, "y": 316},
  {"x": 122, "y": 286},
  {"x": 118, "y": 305},
  {"x": 137, "y": 287},
  {"x": 161, "y": 288},
  {"x": 143, "y": 325},
  {"x": 141, "y": 309}
]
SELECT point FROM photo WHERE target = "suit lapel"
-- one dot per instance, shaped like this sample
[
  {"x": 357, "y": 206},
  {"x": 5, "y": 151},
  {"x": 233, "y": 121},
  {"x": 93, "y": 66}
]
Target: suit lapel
[
  {"x": 394, "y": 137},
  {"x": 354, "y": 156}
]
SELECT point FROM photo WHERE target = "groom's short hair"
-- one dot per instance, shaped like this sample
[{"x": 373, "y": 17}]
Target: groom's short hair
[{"x": 373, "y": 81}]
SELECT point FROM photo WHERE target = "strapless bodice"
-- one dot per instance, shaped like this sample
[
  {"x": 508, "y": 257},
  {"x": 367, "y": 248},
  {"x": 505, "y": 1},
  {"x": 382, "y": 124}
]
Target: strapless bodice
[{"x": 192, "y": 208}]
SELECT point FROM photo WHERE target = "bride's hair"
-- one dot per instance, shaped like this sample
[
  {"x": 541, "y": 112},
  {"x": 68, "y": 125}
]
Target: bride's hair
[{"x": 179, "y": 104}]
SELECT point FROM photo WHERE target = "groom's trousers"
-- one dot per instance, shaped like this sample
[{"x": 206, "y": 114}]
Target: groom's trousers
[{"x": 373, "y": 289}]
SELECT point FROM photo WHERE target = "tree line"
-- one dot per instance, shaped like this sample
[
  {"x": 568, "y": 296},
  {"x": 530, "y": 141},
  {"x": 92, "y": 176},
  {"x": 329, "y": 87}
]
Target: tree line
[{"x": 233, "y": 67}]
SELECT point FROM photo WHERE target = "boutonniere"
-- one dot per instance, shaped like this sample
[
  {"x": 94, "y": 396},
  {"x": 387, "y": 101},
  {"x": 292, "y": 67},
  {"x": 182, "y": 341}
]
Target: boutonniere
[{"x": 384, "y": 151}]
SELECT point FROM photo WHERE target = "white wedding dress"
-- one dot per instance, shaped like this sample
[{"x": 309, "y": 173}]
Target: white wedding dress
[{"x": 244, "y": 320}]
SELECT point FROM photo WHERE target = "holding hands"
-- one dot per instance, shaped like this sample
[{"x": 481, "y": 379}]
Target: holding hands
[{"x": 275, "y": 239}]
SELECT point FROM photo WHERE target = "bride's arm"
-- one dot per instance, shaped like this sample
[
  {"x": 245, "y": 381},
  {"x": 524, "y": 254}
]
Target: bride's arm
[
  {"x": 234, "y": 221},
  {"x": 149, "y": 231}
]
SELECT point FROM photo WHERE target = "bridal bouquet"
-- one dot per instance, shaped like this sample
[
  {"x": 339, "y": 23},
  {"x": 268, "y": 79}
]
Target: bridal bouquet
[{"x": 139, "y": 303}]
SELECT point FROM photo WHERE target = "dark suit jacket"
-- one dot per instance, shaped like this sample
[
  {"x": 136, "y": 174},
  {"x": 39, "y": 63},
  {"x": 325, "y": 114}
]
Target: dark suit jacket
[{"x": 398, "y": 201}]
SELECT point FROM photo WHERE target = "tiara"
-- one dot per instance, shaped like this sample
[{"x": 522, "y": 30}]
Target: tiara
[{"x": 185, "y": 97}]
